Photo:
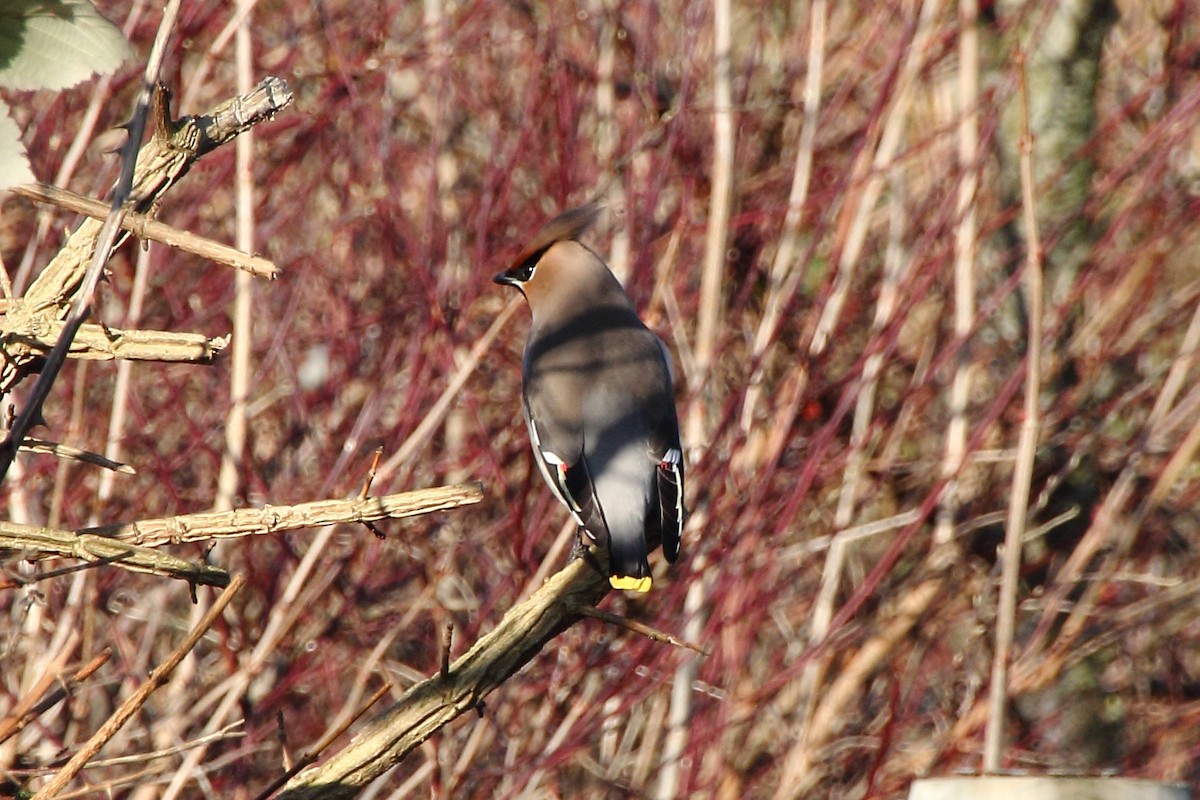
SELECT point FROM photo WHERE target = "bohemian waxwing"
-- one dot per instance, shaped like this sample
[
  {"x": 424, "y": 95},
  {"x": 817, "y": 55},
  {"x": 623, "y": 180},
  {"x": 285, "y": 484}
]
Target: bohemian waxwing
[{"x": 599, "y": 400}]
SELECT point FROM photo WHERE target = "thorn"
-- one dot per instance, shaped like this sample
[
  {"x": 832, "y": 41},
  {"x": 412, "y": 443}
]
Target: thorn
[
  {"x": 366, "y": 489},
  {"x": 365, "y": 492},
  {"x": 281, "y": 735},
  {"x": 447, "y": 638}
]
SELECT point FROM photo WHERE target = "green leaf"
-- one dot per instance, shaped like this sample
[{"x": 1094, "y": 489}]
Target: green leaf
[
  {"x": 53, "y": 44},
  {"x": 14, "y": 165}
]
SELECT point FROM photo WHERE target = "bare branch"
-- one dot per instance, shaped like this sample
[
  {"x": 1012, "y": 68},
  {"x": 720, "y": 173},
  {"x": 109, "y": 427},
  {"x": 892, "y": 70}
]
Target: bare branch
[
  {"x": 276, "y": 519},
  {"x": 432, "y": 703},
  {"x": 102, "y": 343},
  {"x": 38, "y": 541}
]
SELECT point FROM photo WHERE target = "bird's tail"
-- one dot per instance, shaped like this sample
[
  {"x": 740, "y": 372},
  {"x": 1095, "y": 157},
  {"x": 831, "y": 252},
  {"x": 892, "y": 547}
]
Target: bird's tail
[
  {"x": 627, "y": 565},
  {"x": 623, "y": 482}
]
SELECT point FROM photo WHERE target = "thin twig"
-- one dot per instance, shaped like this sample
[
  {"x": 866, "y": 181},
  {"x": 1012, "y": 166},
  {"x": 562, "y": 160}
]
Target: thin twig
[
  {"x": 786, "y": 274},
  {"x": 1018, "y": 505},
  {"x": 365, "y": 492},
  {"x": 1183, "y": 458},
  {"x": 11, "y": 582},
  {"x": 1041, "y": 530},
  {"x": 66, "y": 451},
  {"x": 141, "y": 778},
  {"x": 664, "y": 268},
  {"x": 606, "y": 138},
  {"x": 199, "y": 80},
  {"x": 281, "y": 735},
  {"x": 23, "y": 712},
  {"x": 712, "y": 275},
  {"x": 964, "y": 264},
  {"x": 81, "y": 675},
  {"x": 640, "y": 628},
  {"x": 236, "y": 420},
  {"x": 434, "y": 417},
  {"x": 135, "y": 701},
  {"x": 228, "y": 732},
  {"x": 115, "y": 437},
  {"x": 146, "y": 227},
  {"x": 447, "y": 640},
  {"x": 310, "y": 756},
  {"x": 864, "y": 406},
  {"x": 869, "y": 170}
]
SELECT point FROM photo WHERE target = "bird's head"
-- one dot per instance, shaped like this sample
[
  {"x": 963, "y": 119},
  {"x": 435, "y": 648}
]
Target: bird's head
[{"x": 537, "y": 268}]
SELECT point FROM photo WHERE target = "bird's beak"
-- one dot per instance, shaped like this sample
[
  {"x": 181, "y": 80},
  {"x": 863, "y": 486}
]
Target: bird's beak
[{"x": 504, "y": 279}]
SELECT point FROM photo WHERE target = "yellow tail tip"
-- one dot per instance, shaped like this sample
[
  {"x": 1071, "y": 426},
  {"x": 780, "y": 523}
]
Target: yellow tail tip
[{"x": 630, "y": 584}]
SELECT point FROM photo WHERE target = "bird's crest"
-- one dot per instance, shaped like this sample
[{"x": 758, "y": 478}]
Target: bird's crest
[{"x": 566, "y": 226}]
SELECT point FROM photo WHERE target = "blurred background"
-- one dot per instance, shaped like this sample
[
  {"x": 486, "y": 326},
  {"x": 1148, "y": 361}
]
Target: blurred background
[{"x": 826, "y": 229}]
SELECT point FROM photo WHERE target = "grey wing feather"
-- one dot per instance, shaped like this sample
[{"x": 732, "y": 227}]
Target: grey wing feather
[{"x": 559, "y": 456}]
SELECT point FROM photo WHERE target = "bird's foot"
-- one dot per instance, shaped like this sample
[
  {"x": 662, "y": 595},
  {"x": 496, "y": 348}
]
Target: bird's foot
[
  {"x": 579, "y": 549},
  {"x": 583, "y": 549}
]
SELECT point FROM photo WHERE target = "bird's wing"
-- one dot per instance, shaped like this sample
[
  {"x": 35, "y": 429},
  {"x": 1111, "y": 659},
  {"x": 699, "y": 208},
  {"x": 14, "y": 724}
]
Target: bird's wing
[
  {"x": 666, "y": 449},
  {"x": 670, "y": 501},
  {"x": 559, "y": 454}
]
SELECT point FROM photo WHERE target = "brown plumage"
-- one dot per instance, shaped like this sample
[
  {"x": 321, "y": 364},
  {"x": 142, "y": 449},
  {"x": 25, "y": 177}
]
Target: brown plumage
[{"x": 599, "y": 401}]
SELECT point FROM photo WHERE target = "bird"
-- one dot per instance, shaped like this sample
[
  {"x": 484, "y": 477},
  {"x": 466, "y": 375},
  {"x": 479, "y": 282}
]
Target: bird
[{"x": 598, "y": 392}]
